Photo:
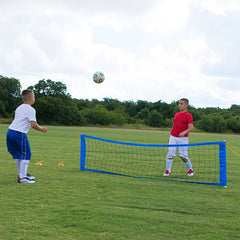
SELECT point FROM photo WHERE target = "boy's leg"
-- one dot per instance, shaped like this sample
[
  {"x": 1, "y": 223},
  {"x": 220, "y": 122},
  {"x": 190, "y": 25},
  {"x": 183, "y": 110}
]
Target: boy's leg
[
  {"x": 183, "y": 153},
  {"x": 168, "y": 164},
  {"x": 170, "y": 155},
  {"x": 23, "y": 168},
  {"x": 168, "y": 167},
  {"x": 187, "y": 163},
  {"x": 189, "y": 166},
  {"x": 24, "y": 177},
  {"x": 18, "y": 161}
]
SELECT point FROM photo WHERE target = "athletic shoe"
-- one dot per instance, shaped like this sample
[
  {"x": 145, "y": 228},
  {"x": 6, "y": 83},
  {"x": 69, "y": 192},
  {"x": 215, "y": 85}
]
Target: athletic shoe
[
  {"x": 166, "y": 174},
  {"x": 25, "y": 180},
  {"x": 190, "y": 172},
  {"x": 29, "y": 177}
]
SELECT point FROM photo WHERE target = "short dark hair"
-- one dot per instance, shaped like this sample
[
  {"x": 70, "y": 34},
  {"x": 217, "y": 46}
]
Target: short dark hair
[
  {"x": 185, "y": 100},
  {"x": 26, "y": 94}
]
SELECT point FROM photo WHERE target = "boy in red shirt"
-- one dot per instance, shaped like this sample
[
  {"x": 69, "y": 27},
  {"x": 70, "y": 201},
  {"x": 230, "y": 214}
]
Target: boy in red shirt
[{"x": 182, "y": 125}]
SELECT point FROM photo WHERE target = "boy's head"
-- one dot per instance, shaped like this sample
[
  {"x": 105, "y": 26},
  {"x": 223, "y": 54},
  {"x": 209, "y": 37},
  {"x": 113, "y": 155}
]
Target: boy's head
[
  {"x": 183, "y": 104},
  {"x": 28, "y": 96}
]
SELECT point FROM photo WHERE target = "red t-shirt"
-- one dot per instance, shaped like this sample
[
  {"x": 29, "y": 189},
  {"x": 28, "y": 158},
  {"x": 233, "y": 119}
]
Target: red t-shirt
[{"x": 180, "y": 123}]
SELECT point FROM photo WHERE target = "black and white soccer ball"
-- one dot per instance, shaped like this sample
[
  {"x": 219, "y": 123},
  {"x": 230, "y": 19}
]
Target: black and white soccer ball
[{"x": 98, "y": 77}]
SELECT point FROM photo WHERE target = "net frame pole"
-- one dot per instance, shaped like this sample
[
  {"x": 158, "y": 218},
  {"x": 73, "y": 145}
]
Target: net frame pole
[
  {"x": 222, "y": 164},
  {"x": 83, "y": 152}
]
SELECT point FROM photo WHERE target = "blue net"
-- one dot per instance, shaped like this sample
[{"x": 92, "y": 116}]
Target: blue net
[{"x": 149, "y": 160}]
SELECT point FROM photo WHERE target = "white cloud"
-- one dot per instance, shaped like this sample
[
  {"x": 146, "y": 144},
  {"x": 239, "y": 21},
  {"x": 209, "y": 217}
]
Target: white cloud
[
  {"x": 194, "y": 47},
  {"x": 55, "y": 40},
  {"x": 166, "y": 17},
  {"x": 220, "y": 7}
]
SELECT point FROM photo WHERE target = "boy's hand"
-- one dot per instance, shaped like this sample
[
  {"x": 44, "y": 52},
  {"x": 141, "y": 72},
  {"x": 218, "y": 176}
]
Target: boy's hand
[
  {"x": 190, "y": 128},
  {"x": 37, "y": 127},
  {"x": 44, "y": 129},
  {"x": 182, "y": 134}
]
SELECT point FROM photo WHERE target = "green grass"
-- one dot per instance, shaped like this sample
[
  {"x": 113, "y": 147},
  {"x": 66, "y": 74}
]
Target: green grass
[{"x": 66, "y": 203}]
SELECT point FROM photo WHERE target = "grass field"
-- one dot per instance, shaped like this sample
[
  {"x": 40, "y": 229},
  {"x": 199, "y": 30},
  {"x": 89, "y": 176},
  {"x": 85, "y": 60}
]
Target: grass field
[{"x": 66, "y": 203}]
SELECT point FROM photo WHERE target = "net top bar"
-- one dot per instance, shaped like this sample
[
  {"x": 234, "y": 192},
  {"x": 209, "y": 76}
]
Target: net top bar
[{"x": 155, "y": 145}]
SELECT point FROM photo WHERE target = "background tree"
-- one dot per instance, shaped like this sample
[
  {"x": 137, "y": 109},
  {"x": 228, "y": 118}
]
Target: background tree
[
  {"x": 235, "y": 110},
  {"x": 55, "y": 106},
  {"x": 206, "y": 124},
  {"x": 143, "y": 115},
  {"x": 10, "y": 95},
  {"x": 49, "y": 88},
  {"x": 2, "y": 110},
  {"x": 233, "y": 124},
  {"x": 155, "y": 119}
]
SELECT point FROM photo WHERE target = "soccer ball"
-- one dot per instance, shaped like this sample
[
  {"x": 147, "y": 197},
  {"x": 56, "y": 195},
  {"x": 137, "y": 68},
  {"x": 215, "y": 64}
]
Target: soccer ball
[{"x": 98, "y": 77}]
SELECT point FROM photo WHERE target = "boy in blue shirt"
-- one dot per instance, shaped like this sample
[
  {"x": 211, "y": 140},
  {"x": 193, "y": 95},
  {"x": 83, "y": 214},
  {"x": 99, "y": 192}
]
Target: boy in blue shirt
[{"x": 17, "y": 141}]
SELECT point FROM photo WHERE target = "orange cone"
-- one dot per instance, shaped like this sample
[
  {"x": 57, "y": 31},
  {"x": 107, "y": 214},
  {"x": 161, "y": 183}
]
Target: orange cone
[
  {"x": 61, "y": 164},
  {"x": 38, "y": 163}
]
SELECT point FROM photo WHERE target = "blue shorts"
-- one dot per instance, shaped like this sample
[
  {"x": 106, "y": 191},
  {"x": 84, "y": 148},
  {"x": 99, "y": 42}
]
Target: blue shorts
[{"x": 18, "y": 145}]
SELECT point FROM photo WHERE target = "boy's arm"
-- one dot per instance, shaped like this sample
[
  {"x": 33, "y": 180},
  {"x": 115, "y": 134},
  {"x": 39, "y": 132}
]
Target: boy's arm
[
  {"x": 37, "y": 127},
  {"x": 188, "y": 130}
]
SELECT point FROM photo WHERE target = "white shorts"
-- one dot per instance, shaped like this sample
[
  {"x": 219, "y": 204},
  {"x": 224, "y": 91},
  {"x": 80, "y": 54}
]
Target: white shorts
[{"x": 182, "y": 151}]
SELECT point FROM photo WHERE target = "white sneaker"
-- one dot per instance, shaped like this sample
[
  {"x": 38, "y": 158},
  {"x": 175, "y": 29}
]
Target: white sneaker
[
  {"x": 29, "y": 177},
  {"x": 25, "y": 180},
  {"x": 166, "y": 174}
]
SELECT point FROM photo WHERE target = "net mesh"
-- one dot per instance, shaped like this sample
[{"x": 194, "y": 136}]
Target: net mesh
[{"x": 150, "y": 160}]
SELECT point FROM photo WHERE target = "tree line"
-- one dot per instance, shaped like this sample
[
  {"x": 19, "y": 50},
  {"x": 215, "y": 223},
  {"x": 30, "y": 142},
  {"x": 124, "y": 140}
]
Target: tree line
[{"x": 55, "y": 106}]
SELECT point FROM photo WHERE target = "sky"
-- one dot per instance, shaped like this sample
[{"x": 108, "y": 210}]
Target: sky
[{"x": 150, "y": 50}]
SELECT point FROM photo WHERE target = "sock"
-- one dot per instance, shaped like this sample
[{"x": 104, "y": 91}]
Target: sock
[
  {"x": 18, "y": 165},
  {"x": 188, "y": 164},
  {"x": 168, "y": 164},
  {"x": 23, "y": 168}
]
